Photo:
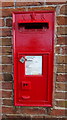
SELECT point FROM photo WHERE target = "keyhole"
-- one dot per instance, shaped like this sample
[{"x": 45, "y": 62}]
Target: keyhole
[{"x": 25, "y": 84}]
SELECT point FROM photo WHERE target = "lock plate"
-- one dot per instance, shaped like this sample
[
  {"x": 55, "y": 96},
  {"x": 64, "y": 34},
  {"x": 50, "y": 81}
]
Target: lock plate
[{"x": 26, "y": 85}]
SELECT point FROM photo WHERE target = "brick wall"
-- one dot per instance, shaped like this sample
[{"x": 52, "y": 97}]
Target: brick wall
[{"x": 59, "y": 109}]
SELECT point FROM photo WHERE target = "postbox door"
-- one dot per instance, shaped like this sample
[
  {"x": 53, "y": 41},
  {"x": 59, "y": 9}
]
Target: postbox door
[
  {"x": 33, "y": 34},
  {"x": 33, "y": 78}
]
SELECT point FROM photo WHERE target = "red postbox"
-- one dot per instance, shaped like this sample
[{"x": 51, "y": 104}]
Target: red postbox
[{"x": 33, "y": 41}]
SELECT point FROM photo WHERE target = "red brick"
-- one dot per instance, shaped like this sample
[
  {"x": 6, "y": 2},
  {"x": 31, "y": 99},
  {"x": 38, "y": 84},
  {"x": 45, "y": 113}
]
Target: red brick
[
  {"x": 16, "y": 117},
  {"x": 62, "y": 30},
  {"x": 57, "y": 50},
  {"x": 9, "y": 22},
  {"x": 34, "y": 111},
  {"x": 0, "y": 68},
  {"x": 7, "y": 110},
  {"x": 56, "y": 112},
  {"x": 61, "y": 78},
  {"x": 0, "y": 111},
  {"x": 30, "y": 111},
  {"x": 18, "y": 3},
  {"x": 0, "y": 85},
  {"x": 0, "y": 12},
  {"x": 7, "y": 85},
  {"x": 62, "y": 40},
  {"x": 6, "y": 60},
  {"x": 0, "y": 32},
  {"x": 64, "y": 50},
  {"x": 8, "y": 12},
  {"x": 0, "y": 3},
  {"x": 61, "y": 86},
  {"x": 63, "y": 10},
  {"x": 61, "y": 59},
  {"x": 62, "y": 68},
  {"x": 6, "y": 41},
  {"x": 61, "y": 104},
  {"x": 8, "y": 4},
  {"x": 7, "y": 77},
  {"x": 61, "y": 20},
  {"x": 0, "y": 42},
  {"x": 2, "y": 23},
  {"x": 7, "y": 94},
  {"x": 7, "y": 102},
  {"x": 0, "y": 59},
  {"x": 1, "y": 101},
  {"x": 48, "y": 2},
  {"x": 0, "y": 117},
  {"x": 0, "y": 50},
  {"x": 7, "y": 68},
  {"x": 6, "y": 50},
  {"x": 1, "y": 77},
  {"x": 41, "y": 8},
  {"x": 0, "y": 93},
  {"x": 61, "y": 50},
  {"x": 4, "y": 32},
  {"x": 60, "y": 95}
]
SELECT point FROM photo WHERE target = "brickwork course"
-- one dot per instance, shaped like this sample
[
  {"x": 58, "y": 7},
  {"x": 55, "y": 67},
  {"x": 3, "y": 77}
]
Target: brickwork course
[{"x": 7, "y": 109}]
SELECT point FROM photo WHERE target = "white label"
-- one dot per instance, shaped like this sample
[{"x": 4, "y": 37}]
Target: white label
[{"x": 33, "y": 65}]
